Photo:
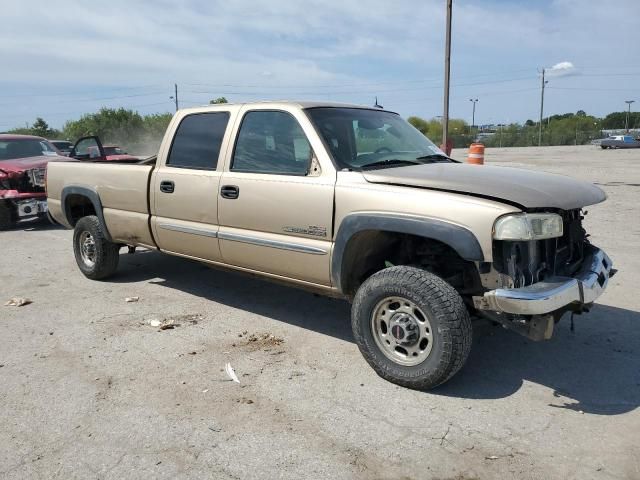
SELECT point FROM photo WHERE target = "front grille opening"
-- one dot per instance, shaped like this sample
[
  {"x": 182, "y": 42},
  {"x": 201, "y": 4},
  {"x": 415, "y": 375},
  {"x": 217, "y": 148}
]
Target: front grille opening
[{"x": 529, "y": 262}]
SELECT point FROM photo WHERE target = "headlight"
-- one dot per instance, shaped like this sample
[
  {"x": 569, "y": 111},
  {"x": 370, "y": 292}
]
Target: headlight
[{"x": 528, "y": 226}]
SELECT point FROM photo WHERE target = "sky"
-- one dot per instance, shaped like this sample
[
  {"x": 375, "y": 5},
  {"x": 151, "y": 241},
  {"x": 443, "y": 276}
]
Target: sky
[{"x": 61, "y": 61}]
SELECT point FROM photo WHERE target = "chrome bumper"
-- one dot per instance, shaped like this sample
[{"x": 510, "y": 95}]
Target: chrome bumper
[
  {"x": 31, "y": 207},
  {"x": 554, "y": 293}
]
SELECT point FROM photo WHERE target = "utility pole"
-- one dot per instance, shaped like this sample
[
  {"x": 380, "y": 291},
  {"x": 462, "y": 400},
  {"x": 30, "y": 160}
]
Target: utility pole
[
  {"x": 626, "y": 123},
  {"x": 175, "y": 85},
  {"x": 473, "y": 115},
  {"x": 541, "y": 109},
  {"x": 447, "y": 73}
]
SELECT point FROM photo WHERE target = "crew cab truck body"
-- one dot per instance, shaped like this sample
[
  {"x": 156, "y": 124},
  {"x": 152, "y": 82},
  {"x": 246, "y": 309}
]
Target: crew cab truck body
[{"x": 350, "y": 202}]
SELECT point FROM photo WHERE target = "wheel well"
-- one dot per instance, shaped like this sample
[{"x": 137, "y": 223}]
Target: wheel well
[
  {"x": 78, "y": 206},
  {"x": 370, "y": 251}
]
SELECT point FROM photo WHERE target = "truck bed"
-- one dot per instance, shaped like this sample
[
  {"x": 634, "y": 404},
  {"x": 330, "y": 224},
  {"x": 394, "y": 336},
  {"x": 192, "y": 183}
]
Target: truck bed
[{"x": 122, "y": 189}]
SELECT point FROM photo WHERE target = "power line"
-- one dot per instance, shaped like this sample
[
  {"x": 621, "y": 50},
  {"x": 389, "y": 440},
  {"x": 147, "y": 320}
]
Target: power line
[{"x": 76, "y": 93}]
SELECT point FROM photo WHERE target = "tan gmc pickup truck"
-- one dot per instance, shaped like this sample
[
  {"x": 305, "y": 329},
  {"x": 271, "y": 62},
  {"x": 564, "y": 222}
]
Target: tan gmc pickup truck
[{"x": 351, "y": 202}]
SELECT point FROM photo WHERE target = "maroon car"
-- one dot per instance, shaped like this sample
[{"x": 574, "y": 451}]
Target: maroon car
[{"x": 23, "y": 160}]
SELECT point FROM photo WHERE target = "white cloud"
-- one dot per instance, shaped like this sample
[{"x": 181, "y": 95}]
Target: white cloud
[{"x": 562, "y": 69}]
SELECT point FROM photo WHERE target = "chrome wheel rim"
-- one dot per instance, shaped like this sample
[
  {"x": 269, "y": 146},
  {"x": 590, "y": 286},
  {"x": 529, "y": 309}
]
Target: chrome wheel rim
[
  {"x": 402, "y": 331},
  {"x": 87, "y": 249}
]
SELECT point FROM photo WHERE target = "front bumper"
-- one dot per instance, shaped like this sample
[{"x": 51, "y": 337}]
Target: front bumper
[
  {"x": 554, "y": 293},
  {"x": 30, "y": 207}
]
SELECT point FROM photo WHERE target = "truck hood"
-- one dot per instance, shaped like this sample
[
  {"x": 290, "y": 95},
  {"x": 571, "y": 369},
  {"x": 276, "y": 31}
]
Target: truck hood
[
  {"x": 18, "y": 165},
  {"x": 524, "y": 188}
]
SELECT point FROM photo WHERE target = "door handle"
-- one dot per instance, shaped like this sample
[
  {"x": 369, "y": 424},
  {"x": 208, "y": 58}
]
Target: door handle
[
  {"x": 167, "y": 186},
  {"x": 230, "y": 191}
]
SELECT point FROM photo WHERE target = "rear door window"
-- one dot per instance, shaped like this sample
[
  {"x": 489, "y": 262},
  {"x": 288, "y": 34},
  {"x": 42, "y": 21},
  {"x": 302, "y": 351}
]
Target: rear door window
[{"x": 197, "y": 141}]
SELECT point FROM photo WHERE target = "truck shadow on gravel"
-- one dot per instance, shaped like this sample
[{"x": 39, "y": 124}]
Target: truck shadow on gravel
[
  {"x": 595, "y": 369},
  {"x": 244, "y": 292}
]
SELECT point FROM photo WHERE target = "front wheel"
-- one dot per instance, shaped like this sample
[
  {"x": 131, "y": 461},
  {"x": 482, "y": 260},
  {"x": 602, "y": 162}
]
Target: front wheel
[
  {"x": 411, "y": 326},
  {"x": 96, "y": 256}
]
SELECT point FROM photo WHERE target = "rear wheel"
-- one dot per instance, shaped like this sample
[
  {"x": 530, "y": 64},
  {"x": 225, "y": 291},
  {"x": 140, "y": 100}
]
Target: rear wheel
[
  {"x": 96, "y": 256},
  {"x": 7, "y": 215},
  {"x": 411, "y": 326}
]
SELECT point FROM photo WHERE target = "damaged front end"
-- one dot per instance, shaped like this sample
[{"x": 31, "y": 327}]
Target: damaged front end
[
  {"x": 22, "y": 194},
  {"x": 541, "y": 271}
]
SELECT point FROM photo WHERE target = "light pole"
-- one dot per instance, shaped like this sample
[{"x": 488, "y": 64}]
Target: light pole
[
  {"x": 473, "y": 115},
  {"x": 626, "y": 125},
  {"x": 174, "y": 97},
  {"x": 447, "y": 73},
  {"x": 541, "y": 108}
]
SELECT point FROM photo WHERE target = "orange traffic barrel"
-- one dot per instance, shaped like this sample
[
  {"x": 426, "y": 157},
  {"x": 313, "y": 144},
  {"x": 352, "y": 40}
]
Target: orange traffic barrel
[{"x": 476, "y": 154}]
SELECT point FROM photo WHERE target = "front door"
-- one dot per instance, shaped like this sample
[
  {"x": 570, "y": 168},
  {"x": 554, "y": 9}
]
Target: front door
[
  {"x": 185, "y": 188},
  {"x": 275, "y": 203}
]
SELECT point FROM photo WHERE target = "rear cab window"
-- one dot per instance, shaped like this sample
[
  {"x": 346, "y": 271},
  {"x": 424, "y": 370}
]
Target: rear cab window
[{"x": 197, "y": 141}]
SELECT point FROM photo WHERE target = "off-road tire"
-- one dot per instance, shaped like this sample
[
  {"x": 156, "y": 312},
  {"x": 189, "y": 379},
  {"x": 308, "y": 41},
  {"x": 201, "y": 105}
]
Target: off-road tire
[
  {"x": 448, "y": 316},
  {"x": 106, "y": 252},
  {"x": 7, "y": 216}
]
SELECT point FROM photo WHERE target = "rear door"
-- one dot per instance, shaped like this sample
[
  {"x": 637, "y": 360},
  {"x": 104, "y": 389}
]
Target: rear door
[
  {"x": 275, "y": 200},
  {"x": 184, "y": 188}
]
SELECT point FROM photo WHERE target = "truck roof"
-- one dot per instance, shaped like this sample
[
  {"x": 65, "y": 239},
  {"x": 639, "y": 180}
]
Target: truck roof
[{"x": 281, "y": 103}]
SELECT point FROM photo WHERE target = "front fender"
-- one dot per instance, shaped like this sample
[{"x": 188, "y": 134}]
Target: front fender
[{"x": 459, "y": 238}]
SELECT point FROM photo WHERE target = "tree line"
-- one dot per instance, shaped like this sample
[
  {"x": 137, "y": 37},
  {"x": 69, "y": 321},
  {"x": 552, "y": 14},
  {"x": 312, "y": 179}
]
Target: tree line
[
  {"x": 142, "y": 134},
  {"x": 566, "y": 129}
]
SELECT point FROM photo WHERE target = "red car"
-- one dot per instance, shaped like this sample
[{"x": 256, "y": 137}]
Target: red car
[{"x": 23, "y": 160}]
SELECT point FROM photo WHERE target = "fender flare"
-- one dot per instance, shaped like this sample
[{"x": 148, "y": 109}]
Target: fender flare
[
  {"x": 461, "y": 239},
  {"x": 93, "y": 197}
]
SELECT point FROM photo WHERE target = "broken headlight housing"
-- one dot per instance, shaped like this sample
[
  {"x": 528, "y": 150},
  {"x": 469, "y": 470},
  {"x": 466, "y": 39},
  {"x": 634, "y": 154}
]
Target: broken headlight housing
[
  {"x": 4, "y": 181},
  {"x": 528, "y": 226}
]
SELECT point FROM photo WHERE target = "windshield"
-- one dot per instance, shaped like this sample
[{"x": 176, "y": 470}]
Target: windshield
[
  {"x": 12, "y": 149},
  {"x": 359, "y": 138}
]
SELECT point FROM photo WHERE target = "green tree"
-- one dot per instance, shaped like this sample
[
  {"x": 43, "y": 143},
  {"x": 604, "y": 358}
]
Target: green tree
[
  {"x": 39, "y": 128},
  {"x": 218, "y": 100}
]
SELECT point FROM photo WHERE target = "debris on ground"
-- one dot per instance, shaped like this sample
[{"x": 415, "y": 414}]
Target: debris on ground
[
  {"x": 175, "y": 321},
  {"x": 246, "y": 401},
  {"x": 491, "y": 457},
  {"x": 131, "y": 299},
  {"x": 261, "y": 341},
  {"x": 17, "y": 302},
  {"x": 232, "y": 374},
  {"x": 168, "y": 324}
]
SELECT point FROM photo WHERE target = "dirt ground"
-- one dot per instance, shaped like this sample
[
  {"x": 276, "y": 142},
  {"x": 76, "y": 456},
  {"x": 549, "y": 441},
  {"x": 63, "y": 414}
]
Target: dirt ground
[{"x": 90, "y": 389}]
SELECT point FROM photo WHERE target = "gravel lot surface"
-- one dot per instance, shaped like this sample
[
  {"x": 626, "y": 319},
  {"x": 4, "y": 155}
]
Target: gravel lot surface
[{"x": 89, "y": 389}]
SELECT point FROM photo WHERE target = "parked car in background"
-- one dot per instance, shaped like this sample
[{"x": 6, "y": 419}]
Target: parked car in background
[
  {"x": 63, "y": 146},
  {"x": 620, "y": 141},
  {"x": 23, "y": 160}
]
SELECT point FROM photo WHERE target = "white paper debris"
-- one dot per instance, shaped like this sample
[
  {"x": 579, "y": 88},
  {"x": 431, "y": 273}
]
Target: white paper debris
[
  {"x": 17, "y": 302},
  {"x": 131, "y": 299},
  {"x": 232, "y": 374}
]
